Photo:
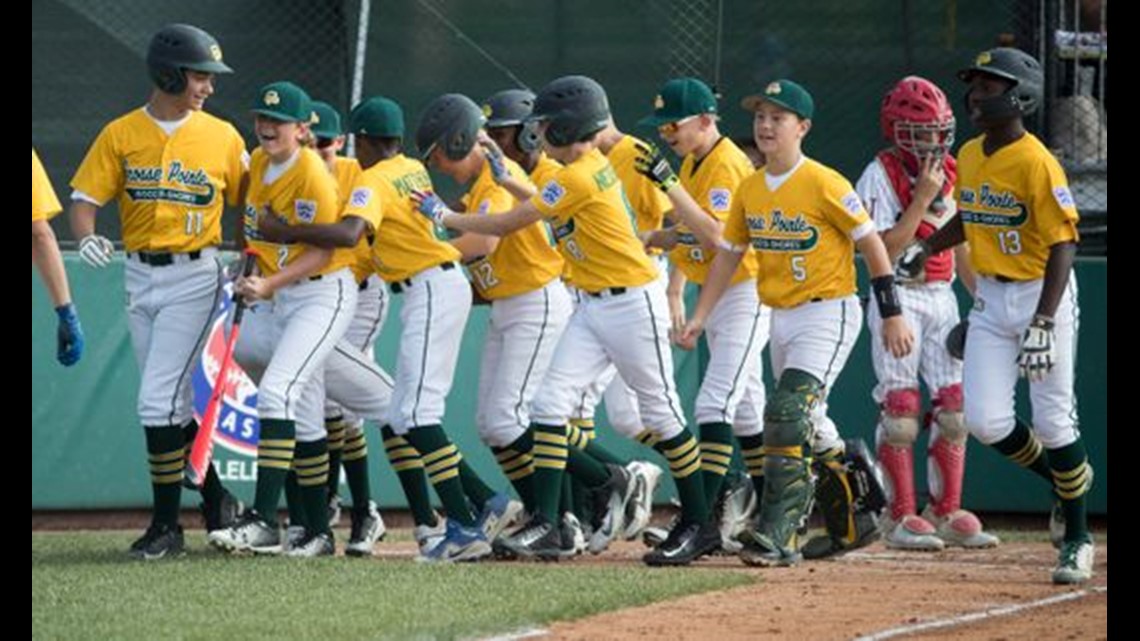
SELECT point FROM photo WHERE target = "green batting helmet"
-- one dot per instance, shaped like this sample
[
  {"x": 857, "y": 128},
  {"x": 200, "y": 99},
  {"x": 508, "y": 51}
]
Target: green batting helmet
[
  {"x": 451, "y": 122},
  {"x": 178, "y": 47},
  {"x": 575, "y": 106}
]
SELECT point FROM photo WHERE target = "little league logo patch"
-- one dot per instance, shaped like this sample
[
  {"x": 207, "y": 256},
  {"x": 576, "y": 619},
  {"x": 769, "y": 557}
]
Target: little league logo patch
[
  {"x": 1064, "y": 197},
  {"x": 552, "y": 193},
  {"x": 360, "y": 197},
  {"x": 237, "y": 418},
  {"x": 720, "y": 199},
  {"x": 852, "y": 204},
  {"x": 306, "y": 210}
]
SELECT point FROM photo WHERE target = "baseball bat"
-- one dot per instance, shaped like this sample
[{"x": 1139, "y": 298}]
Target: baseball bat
[{"x": 203, "y": 448}]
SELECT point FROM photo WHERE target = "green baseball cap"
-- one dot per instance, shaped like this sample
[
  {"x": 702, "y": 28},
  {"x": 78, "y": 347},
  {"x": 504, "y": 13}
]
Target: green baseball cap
[
  {"x": 326, "y": 120},
  {"x": 284, "y": 101},
  {"x": 786, "y": 94},
  {"x": 679, "y": 99},
  {"x": 378, "y": 116}
]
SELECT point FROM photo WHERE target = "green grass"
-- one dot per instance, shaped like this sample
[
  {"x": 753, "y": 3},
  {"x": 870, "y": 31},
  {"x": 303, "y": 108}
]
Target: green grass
[{"x": 84, "y": 587}]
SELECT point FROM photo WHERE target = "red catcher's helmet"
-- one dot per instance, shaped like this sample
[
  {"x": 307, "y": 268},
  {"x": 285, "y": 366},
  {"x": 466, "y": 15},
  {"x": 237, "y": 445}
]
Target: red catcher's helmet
[{"x": 917, "y": 118}]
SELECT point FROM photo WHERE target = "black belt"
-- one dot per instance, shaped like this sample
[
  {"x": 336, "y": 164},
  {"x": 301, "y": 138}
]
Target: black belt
[
  {"x": 317, "y": 277},
  {"x": 613, "y": 291},
  {"x": 364, "y": 285},
  {"x": 162, "y": 259},
  {"x": 399, "y": 286},
  {"x": 1004, "y": 279}
]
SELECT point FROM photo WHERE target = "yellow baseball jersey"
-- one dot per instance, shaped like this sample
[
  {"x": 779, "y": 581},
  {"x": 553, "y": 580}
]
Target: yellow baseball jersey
[
  {"x": 544, "y": 169},
  {"x": 347, "y": 171},
  {"x": 1014, "y": 205},
  {"x": 45, "y": 205},
  {"x": 593, "y": 225},
  {"x": 802, "y": 233},
  {"x": 305, "y": 194},
  {"x": 648, "y": 202},
  {"x": 169, "y": 187},
  {"x": 404, "y": 241},
  {"x": 522, "y": 261},
  {"x": 711, "y": 182}
]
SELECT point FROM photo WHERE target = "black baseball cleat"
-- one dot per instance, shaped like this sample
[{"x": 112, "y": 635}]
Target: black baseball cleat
[
  {"x": 158, "y": 542},
  {"x": 538, "y": 539},
  {"x": 686, "y": 543},
  {"x": 222, "y": 513}
]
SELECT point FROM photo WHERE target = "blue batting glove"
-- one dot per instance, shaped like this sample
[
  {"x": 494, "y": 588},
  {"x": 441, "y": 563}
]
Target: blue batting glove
[
  {"x": 69, "y": 337},
  {"x": 431, "y": 205}
]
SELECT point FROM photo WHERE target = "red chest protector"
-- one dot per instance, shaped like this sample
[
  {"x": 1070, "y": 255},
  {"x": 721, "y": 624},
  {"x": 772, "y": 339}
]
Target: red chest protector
[{"x": 940, "y": 266}]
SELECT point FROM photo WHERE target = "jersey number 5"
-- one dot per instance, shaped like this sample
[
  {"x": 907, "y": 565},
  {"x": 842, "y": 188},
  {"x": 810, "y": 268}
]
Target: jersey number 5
[{"x": 799, "y": 270}]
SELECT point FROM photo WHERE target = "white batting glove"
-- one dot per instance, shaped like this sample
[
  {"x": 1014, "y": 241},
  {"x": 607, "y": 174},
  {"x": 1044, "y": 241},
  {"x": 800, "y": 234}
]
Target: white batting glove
[
  {"x": 1036, "y": 357},
  {"x": 96, "y": 250},
  {"x": 911, "y": 266}
]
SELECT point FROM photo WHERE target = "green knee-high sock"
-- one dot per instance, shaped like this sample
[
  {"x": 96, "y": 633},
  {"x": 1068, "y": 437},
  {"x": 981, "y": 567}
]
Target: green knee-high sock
[
  {"x": 581, "y": 435},
  {"x": 274, "y": 459},
  {"x": 441, "y": 462},
  {"x": 212, "y": 488},
  {"x": 716, "y": 456},
  {"x": 517, "y": 462},
  {"x": 566, "y": 502},
  {"x": 165, "y": 454},
  {"x": 293, "y": 500},
  {"x": 311, "y": 463},
  {"x": 752, "y": 450},
  {"x": 684, "y": 456},
  {"x": 1072, "y": 479},
  {"x": 477, "y": 491},
  {"x": 550, "y": 457},
  {"x": 1023, "y": 448},
  {"x": 409, "y": 467},
  {"x": 355, "y": 462},
  {"x": 336, "y": 428}
]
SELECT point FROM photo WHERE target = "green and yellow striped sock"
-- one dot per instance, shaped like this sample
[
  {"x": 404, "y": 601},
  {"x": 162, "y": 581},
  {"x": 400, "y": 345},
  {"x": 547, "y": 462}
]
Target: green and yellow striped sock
[
  {"x": 752, "y": 450},
  {"x": 1072, "y": 480},
  {"x": 1023, "y": 448},
  {"x": 409, "y": 468},
  {"x": 550, "y": 460},
  {"x": 166, "y": 456},
  {"x": 684, "y": 456},
  {"x": 355, "y": 462},
  {"x": 312, "y": 466},
  {"x": 441, "y": 463},
  {"x": 274, "y": 459},
  {"x": 716, "y": 456},
  {"x": 336, "y": 428},
  {"x": 517, "y": 462}
]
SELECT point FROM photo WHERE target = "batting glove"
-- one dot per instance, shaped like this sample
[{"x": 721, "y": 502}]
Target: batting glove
[
  {"x": 499, "y": 169},
  {"x": 956, "y": 340},
  {"x": 69, "y": 337},
  {"x": 431, "y": 205},
  {"x": 911, "y": 267},
  {"x": 1036, "y": 357},
  {"x": 651, "y": 164},
  {"x": 96, "y": 250}
]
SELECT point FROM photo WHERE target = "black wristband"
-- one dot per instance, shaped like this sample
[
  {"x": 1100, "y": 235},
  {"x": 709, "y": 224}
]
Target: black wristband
[{"x": 886, "y": 296}]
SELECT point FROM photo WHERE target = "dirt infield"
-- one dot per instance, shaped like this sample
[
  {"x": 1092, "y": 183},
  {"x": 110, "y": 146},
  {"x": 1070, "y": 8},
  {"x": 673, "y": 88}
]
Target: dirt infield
[{"x": 875, "y": 593}]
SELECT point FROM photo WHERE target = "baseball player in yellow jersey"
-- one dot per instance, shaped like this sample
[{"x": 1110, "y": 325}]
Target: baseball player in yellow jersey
[
  {"x": 351, "y": 373},
  {"x": 49, "y": 262},
  {"x": 302, "y": 302},
  {"x": 907, "y": 190},
  {"x": 804, "y": 221},
  {"x": 170, "y": 166},
  {"x": 621, "y": 320},
  {"x": 518, "y": 274},
  {"x": 1017, "y": 214},
  {"x": 731, "y": 398},
  {"x": 414, "y": 263}
]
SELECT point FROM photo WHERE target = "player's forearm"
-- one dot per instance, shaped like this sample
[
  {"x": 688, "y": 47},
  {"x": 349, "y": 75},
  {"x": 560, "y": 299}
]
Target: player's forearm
[
  {"x": 343, "y": 234},
  {"x": 953, "y": 233},
  {"x": 707, "y": 229},
  {"x": 904, "y": 230},
  {"x": 82, "y": 218},
  {"x": 875, "y": 253},
  {"x": 720, "y": 274},
  {"x": 49, "y": 262},
  {"x": 305, "y": 265},
  {"x": 963, "y": 268},
  {"x": 1057, "y": 270},
  {"x": 498, "y": 225},
  {"x": 522, "y": 191},
  {"x": 677, "y": 281}
]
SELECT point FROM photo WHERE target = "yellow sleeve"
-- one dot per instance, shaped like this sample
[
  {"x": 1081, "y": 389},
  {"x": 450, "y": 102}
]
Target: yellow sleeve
[
  {"x": 717, "y": 199},
  {"x": 45, "y": 204},
  {"x": 320, "y": 195},
  {"x": 841, "y": 205},
  {"x": 558, "y": 194},
  {"x": 237, "y": 166},
  {"x": 364, "y": 200},
  {"x": 100, "y": 175},
  {"x": 1054, "y": 211},
  {"x": 736, "y": 227}
]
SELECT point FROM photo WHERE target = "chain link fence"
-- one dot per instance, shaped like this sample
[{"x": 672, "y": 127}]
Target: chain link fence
[{"x": 88, "y": 62}]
